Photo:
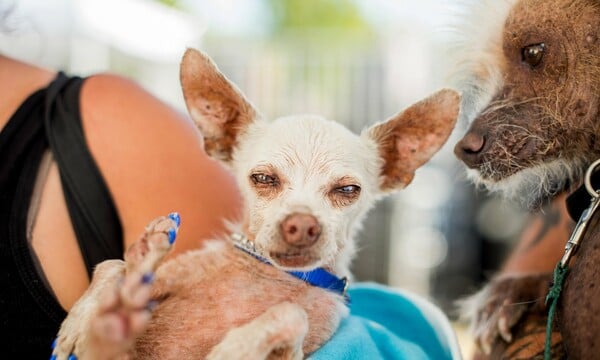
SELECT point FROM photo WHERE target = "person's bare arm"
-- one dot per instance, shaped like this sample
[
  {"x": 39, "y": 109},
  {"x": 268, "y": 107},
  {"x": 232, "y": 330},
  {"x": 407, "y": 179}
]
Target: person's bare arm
[
  {"x": 542, "y": 241},
  {"x": 154, "y": 162}
]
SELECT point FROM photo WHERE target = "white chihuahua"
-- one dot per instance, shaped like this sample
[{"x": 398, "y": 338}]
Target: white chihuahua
[{"x": 275, "y": 288}]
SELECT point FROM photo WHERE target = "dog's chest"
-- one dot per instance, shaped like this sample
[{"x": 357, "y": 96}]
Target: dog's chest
[
  {"x": 579, "y": 308},
  {"x": 203, "y": 294}
]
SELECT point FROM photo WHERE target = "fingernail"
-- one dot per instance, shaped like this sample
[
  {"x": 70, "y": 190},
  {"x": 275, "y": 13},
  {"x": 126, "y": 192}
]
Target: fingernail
[
  {"x": 54, "y": 343},
  {"x": 172, "y": 235},
  {"x": 175, "y": 217},
  {"x": 72, "y": 357},
  {"x": 148, "y": 278},
  {"x": 53, "y": 357}
]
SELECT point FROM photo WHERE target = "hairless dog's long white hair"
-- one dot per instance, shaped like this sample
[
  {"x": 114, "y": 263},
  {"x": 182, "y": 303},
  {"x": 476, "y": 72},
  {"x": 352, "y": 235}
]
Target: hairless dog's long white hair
[{"x": 476, "y": 52}]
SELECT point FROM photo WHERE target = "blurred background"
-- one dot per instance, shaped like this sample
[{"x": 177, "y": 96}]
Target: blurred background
[{"x": 357, "y": 62}]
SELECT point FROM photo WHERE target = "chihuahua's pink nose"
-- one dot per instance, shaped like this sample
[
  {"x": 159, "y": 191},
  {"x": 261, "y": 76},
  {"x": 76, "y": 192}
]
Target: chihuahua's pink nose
[{"x": 300, "y": 230}]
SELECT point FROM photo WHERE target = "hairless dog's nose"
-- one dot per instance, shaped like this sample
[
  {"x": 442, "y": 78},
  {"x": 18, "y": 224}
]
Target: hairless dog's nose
[
  {"x": 470, "y": 148},
  {"x": 300, "y": 230}
]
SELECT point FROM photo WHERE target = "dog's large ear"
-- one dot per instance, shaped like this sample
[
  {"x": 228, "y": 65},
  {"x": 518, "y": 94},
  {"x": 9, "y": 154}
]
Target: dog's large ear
[
  {"x": 214, "y": 103},
  {"x": 409, "y": 139}
]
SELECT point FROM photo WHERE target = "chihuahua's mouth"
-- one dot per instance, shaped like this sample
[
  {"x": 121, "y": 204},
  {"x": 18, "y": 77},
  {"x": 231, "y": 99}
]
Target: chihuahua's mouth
[
  {"x": 315, "y": 276},
  {"x": 292, "y": 259}
]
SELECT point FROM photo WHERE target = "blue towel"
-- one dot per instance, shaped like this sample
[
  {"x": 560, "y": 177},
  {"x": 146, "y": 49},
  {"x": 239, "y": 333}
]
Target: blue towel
[{"x": 387, "y": 323}]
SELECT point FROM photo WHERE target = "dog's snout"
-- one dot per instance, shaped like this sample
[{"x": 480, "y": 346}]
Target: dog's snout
[
  {"x": 300, "y": 230},
  {"x": 469, "y": 148}
]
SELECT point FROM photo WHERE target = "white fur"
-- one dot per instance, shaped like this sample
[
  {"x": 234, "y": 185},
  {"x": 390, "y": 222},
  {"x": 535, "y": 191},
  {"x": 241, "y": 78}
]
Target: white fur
[
  {"x": 310, "y": 152},
  {"x": 478, "y": 66},
  {"x": 311, "y": 158},
  {"x": 532, "y": 185}
]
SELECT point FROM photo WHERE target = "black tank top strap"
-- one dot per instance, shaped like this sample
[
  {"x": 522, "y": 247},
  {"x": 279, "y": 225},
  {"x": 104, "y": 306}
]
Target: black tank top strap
[
  {"x": 91, "y": 208},
  {"x": 49, "y": 118},
  {"x": 30, "y": 313}
]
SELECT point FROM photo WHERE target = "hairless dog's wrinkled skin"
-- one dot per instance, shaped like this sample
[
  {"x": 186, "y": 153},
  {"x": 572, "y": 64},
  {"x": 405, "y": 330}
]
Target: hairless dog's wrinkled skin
[{"x": 530, "y": 76}]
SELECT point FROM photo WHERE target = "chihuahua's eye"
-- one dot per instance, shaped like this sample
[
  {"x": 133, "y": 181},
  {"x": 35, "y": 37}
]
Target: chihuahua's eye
[
  {"x": 264, "y": 179},
  {"x": 348, "y": 189},
  {"x": 533, "y": 54},
  {"x": 343, "y": 195}
]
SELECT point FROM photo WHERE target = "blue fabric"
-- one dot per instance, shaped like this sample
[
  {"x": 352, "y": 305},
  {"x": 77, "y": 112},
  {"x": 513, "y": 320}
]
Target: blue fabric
[{"x": 388, "y": 324}]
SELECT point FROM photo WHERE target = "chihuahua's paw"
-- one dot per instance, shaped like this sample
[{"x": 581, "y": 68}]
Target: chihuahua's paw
[
  {"x": 500, "y": 306},
  {"x": 122, "y": 315},
  {"x": 73, "y": 339},
  {"x": 73, "y": 336},
  {"x": 146, "y": 253},
  {"x": 288, "y": 335},
  {"x": 276, "y": 334}
]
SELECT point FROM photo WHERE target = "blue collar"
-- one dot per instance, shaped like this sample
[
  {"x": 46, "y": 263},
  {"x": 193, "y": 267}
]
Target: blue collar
[{"x": 318, "y": 277}]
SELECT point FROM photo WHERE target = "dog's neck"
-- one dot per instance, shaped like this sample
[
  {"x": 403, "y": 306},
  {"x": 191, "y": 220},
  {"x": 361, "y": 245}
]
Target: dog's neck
[
  {"x": 245, "y": 242},
  {"x": 338, "y": 265},
  {"x": 319, "y": 277}
]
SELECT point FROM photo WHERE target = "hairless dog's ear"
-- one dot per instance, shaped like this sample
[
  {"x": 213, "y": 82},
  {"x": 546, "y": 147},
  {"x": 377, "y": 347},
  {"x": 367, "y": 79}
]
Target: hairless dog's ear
[
  {"x": 409, "y": 139},
  {"x": 216, "y": 105}
]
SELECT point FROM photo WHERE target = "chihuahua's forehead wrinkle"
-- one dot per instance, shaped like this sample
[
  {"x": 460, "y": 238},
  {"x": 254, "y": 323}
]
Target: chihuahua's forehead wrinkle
[{"x": 311, "y": 146}]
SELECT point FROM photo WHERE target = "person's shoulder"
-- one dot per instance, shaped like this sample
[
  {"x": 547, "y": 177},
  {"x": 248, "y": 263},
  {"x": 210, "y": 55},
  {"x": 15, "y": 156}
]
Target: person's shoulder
[
  {"x": 125, "y": 122},
  {"x": 153, "y": 159},
  {"x": 106, "y": 86},
  {"x": 107, "y": 97},
  {"x": 102, "y": 80},
  {"x": 18, "y": 80},
  {"x": 116, "y": 107}
]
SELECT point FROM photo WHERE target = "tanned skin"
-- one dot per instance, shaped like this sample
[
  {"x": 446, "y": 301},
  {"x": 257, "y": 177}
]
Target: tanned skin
[{"x": 529, "y": 266}]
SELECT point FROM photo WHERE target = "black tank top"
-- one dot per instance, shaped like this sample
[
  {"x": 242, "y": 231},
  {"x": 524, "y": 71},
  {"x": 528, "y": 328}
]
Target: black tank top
[{"x": 30, "y": 315}]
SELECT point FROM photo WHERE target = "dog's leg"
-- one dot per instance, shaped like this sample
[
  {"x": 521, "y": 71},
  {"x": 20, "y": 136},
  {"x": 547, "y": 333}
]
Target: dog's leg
[
  {"x": 276, "y": 334},
  {"x": 144, "y": 255},
  {"x": 510, "y": 307},
  {"x": 104, "y": 323},
  {"x": 74, "y": 335}
]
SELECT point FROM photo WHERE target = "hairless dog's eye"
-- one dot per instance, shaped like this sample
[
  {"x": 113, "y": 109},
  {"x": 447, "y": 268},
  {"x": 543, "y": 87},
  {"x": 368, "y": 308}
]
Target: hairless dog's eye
[{"x": 533, "y": 54}]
